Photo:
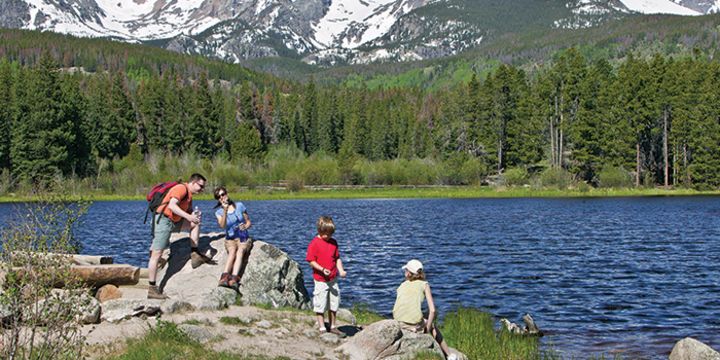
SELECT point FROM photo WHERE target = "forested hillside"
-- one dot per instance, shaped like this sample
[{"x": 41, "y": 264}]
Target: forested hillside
[{"x": 570, "y": 121}]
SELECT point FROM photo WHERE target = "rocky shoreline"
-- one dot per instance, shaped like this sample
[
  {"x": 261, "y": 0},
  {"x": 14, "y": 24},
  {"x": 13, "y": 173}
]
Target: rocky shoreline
[
  {"x": 270, "y": 313},
  {"x": 268, "y": 316}
]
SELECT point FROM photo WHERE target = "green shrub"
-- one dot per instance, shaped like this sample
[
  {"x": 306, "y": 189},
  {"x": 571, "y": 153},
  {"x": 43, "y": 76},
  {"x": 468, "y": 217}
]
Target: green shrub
[
  {"x": 614, "y": 177},
  {"x": 516, "y": 177},
  {"x": 558, "y": 178}
]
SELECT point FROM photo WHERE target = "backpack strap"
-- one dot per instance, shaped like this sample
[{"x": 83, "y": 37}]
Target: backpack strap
[{"x": 165, "y": 204}]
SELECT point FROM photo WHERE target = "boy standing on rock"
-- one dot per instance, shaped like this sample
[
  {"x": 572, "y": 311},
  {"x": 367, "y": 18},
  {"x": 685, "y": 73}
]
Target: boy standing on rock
[
  {"x": 174, "y": 215},
  {"x": 324, "y": 258}
]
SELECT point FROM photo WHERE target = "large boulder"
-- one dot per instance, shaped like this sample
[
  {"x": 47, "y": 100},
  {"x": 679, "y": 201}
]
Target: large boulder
[
  {"x": 691, "y": 349},
  {"x": 385, "y": 339},
  {"x": 272, "y": 277}
]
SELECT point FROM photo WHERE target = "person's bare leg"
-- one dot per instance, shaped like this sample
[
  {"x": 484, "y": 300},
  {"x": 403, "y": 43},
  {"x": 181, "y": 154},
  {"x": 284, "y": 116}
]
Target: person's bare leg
[
  {"x": 153, "y": 264},
  {"x": 331, "y": 318},
  {"x": 239, "y": 258},
  {"x": 230, "y": 261},
  {"x": 194, "y": 234},
  {"x": 439, "y": 338},
  {"x": 321, "y": 321}
]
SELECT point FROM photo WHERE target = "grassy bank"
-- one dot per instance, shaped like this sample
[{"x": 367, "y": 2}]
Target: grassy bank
[
  {"x": 471, "y": 331},
  {"x": 395, "y": 192}
]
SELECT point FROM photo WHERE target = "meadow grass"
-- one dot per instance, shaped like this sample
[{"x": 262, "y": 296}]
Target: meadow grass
[
  {"x": 364, "y": 315},
  {"x": 473, "y": 332},
  {"x": 166, "y": 341},
  {"x": 395, "y": 192}
]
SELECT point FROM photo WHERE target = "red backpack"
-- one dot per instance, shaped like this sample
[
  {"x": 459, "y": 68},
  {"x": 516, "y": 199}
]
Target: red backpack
[{"x": 157, "y": 194}]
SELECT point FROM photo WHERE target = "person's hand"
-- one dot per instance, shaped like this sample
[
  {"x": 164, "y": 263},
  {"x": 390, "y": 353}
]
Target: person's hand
[
  {"x": 195, "y": 219},
  {"x": 225, "y": 205},
  {"x": 326, "y": 272},
  {"x": 343, "y": 273}
]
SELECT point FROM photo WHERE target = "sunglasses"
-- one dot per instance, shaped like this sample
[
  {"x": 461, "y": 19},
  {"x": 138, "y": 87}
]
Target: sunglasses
[{"x": 221, "y": 194}]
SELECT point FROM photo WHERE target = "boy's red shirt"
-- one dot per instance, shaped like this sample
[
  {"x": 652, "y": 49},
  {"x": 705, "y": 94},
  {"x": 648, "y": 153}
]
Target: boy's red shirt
[{"x": 325, "y": 253}]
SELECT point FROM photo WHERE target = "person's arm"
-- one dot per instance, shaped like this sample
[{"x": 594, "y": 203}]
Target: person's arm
[
  {"x": 431, "y": 309},
  {"x": 247, "y": 223},
  {"x": 341, "y": 269},
  {"x": 175, "y": 208},
  {"x": 318, "y": 267},
  {"x": 222, "y": 218}
]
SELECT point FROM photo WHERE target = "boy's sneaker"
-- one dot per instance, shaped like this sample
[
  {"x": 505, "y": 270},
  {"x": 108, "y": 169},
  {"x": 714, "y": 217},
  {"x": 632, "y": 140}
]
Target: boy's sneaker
[
  {"x": 452, "y": 357},
  {"x": 155, "y": 293}
]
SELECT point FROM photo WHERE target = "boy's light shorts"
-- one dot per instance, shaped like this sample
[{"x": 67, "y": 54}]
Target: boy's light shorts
[{"x": 326, "y": 294}]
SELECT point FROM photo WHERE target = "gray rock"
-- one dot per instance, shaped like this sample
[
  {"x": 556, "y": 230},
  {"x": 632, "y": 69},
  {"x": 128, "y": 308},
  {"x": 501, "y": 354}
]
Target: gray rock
[
  {"x": 219, "y": 298},
  {"x": 347, "y": 316},
  {"x": 380, "y": 338},
  {"x": 330, "y": 338},
  {"x": 264, "y": 324},
  {"x": 121, "y": 309},
  {"x": 691, "y": 349},
  {"x": 197, "y": 333},
  {"x": 87, "y": 308},
  {"x": 386, "y": 339},
  {"x": 272, "y": 277}
]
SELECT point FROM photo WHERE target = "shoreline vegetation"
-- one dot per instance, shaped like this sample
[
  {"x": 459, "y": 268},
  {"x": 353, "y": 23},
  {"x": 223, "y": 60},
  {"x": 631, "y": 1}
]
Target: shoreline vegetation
[{"x": 342, "y": 192}]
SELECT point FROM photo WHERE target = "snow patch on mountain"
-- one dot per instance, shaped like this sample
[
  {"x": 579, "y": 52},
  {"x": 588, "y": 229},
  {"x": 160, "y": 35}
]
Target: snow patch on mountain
[{"x": 658, "y": 7}]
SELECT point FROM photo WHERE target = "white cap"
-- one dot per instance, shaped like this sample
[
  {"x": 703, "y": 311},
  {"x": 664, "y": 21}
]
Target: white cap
[{"x": 413, "y": 266}]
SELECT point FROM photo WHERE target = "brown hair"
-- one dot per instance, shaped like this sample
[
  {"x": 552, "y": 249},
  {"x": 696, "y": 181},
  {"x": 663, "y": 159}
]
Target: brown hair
[
  {"x": 419, "y": 276},
  {"x": 325, "y": 226},
  {"x": 216, "y": 194}
]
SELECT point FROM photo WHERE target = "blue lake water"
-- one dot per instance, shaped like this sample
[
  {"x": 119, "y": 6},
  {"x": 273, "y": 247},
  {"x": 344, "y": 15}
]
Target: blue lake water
[{"x": 628, "y": 275}]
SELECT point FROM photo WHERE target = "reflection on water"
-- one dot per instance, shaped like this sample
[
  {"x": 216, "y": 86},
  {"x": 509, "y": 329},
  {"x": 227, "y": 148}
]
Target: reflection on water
[{"x": 631, "y": 275}]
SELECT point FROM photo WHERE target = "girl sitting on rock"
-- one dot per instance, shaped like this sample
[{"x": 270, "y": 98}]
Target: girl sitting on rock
[
  {"x": 408, "y": 305},
  {"x": 233, "y": 217}
]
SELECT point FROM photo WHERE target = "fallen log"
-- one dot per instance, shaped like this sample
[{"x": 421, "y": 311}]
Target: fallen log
[
  {"x": 76, "y": 259},
  {"x": 92, "y": 275}
]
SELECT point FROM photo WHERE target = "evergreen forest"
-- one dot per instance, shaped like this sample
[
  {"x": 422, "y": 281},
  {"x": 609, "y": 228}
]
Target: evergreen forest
[{"x": 129, "y": 121}]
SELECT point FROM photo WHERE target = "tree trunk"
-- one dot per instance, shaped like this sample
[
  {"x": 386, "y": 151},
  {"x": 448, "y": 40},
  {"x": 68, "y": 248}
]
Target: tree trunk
[
  {"x": 92, "y": 275},
  {"x": 637, "y": 165},
  {"x": 665, "y": 148},
  {"x": 552, "y": 142},
  {"x": 685, "y": 165}
]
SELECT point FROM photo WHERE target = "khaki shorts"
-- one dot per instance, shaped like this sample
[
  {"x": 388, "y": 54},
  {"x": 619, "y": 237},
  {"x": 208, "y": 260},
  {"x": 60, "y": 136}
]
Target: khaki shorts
[
  {"x": 164, "y": 227},
  {"x": 417, "y": 328},
  {"x": 326, "y": 295},
  {"x": 232, "y": 245}
]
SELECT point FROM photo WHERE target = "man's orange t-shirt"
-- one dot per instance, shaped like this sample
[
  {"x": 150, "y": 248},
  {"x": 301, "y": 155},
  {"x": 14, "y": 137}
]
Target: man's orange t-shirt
[{"x": 180, "y": 192}]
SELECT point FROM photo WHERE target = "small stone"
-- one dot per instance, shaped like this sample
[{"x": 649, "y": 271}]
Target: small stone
[
  {"x": 195, "y": 332},
  {"x": 264, "y": 324},
  {"x": 347, "y": 316},
  {"x": 330, "y": 338},
  {"x": 108, "y": 292}
]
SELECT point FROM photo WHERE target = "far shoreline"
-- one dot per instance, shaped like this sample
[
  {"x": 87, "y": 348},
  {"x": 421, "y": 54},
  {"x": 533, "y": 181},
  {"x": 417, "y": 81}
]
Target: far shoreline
[{"x": 390, "y": 192}]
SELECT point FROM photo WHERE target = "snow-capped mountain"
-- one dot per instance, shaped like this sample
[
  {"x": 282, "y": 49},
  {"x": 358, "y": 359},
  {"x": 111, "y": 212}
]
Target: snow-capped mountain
[{"x": 323, "y": 32}]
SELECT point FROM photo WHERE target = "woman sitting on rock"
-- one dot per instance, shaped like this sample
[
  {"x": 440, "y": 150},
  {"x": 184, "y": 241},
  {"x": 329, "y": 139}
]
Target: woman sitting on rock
[
  {"x": 233, "y": 217},
  {"x": 408, "y": 305}
]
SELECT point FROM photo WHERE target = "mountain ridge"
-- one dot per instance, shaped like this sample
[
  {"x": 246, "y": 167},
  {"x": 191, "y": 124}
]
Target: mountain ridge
[{"x": 323, "y": 32}]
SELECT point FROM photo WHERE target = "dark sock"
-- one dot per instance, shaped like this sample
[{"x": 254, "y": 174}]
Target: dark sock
[
  {"x": 194, "y": 249},
  {"x": 152, "y": 283}
]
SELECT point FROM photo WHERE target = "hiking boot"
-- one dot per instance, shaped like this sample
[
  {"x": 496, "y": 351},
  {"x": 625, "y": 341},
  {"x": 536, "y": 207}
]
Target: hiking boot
[
  {"x": 155, "y": 293},
  {"x": 224, "y": 280},
  {"x": 234, "y": 282},
  {"x": 197, "y": 259}
]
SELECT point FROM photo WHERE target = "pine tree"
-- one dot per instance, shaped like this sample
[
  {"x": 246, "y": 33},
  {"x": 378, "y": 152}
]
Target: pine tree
[
  {"x": 6, "y": 106},
  {"x": 43, "y": 135}
]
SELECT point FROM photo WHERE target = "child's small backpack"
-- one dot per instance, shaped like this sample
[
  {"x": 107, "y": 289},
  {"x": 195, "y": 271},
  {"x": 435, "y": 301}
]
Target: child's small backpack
[{"x": 156, "y": 195}]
